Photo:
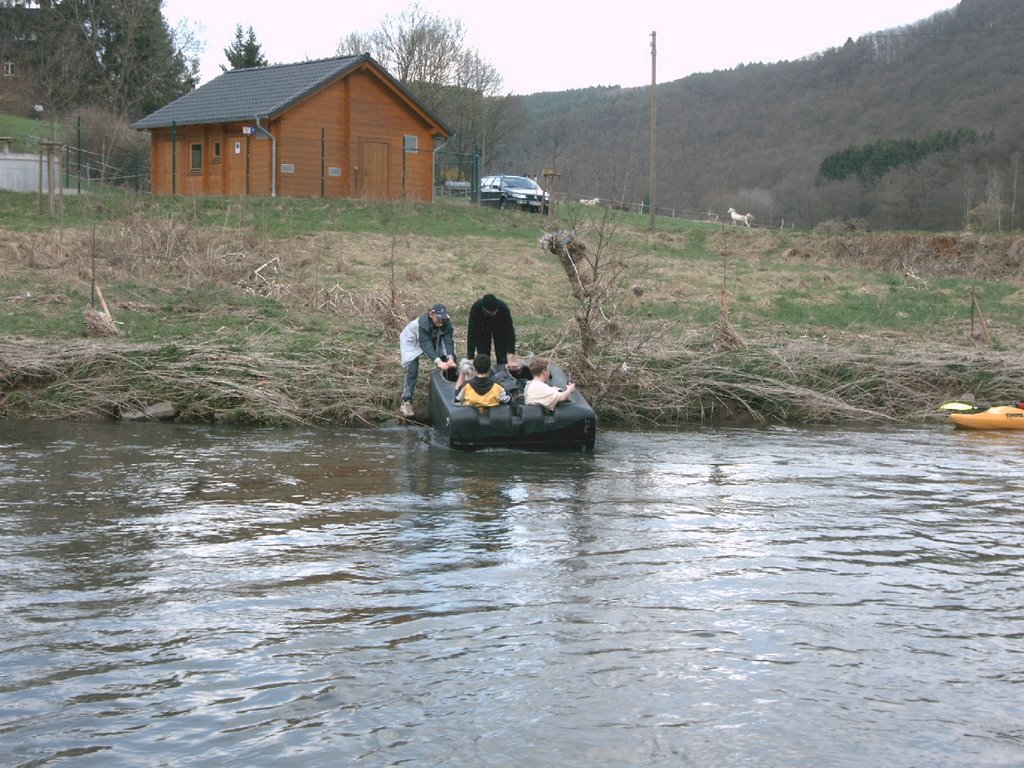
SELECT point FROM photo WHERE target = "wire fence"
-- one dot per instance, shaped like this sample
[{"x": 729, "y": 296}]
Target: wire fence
[
  {"x": 456, "y": 174},
  {"x": 57, "y": 169},
  {"x": 71, "y": 170}
]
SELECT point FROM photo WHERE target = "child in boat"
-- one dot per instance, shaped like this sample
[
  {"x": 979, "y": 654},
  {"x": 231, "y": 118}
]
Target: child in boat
[
  {"x": 479, "y": 390},
  {"x": 540, "y": 392}
]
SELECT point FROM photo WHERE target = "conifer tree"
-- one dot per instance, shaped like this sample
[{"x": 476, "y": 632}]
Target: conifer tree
[{"x": 244, "y": 51}]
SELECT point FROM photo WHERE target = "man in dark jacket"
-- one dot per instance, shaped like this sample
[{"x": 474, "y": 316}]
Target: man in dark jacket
[{"x": 490, "y": 321}]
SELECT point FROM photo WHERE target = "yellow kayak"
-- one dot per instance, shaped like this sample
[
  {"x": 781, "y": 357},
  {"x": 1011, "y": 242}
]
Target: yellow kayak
[{"x": 997, "y": 417}]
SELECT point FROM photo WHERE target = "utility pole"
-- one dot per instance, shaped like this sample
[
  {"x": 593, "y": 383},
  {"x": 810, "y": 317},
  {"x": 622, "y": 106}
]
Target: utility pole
[{"x": 654, "y": 121}]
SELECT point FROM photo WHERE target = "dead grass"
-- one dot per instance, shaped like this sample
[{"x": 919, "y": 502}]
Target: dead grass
[{"x": 367, "y": 286}]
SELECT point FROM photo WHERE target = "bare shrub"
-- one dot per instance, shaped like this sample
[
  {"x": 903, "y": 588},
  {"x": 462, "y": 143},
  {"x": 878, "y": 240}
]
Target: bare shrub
[{"x": 609, "y": 344}]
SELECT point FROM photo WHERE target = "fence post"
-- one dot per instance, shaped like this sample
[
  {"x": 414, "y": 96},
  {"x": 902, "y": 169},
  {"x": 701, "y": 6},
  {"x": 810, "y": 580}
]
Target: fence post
[
  {"x": 79, "y": 154},
  {"x": 476, "y": 175},
  {"x": 174, "y": 158}
]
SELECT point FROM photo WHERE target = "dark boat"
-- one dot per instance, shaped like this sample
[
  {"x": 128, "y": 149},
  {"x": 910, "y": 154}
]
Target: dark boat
[{"x": 572, "y": 426}]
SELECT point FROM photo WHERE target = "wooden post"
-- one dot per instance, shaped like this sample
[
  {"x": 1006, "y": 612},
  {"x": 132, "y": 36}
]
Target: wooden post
[
  {"x": 981, "y": 317},
  {"x": 550, "y": 176},
  {"x": 654, "y": 125}
]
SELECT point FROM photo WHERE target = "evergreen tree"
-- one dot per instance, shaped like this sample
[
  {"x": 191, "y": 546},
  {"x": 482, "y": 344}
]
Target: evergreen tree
[
  {"x": 244, "y": 51},
  {"x": 110, "y": 53}
]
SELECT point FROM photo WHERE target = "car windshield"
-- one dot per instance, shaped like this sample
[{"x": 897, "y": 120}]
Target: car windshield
[{"x": 520, "y": 182}]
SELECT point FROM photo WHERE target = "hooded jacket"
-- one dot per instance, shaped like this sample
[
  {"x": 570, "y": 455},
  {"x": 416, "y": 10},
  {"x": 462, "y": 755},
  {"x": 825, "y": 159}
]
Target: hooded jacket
[
  {"x": 422, "y": 337},
  {"x": 483, "y": 392}
]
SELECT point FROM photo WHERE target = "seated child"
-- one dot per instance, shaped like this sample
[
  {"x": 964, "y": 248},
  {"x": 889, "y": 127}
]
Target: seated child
[{"x": 480, "y": 390}]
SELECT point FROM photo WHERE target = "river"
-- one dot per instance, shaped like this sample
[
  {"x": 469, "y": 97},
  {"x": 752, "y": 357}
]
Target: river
[{"x": 205, "y": 596}]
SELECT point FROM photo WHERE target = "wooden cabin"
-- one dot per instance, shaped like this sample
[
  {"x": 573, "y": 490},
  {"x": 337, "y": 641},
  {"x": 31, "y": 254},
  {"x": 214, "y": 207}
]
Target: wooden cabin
[{"x": 340, "y": 127}]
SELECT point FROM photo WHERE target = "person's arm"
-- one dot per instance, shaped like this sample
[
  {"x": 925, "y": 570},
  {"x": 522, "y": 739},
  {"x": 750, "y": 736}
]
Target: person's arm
[
  {"x": 448, "y": 342},
  {"x": 430, "y": 347},
  {"x": 510, "y": 333},
  {"x": 474, "y": 320}
]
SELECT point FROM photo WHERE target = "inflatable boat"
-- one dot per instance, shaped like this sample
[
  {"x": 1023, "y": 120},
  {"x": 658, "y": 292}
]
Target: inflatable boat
[
  {"x": 572, "y": 426},
  {"x": 996, "y": 417}
]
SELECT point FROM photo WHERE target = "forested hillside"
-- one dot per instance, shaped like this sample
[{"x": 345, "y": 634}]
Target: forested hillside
[{"x": 936, "y": 105}]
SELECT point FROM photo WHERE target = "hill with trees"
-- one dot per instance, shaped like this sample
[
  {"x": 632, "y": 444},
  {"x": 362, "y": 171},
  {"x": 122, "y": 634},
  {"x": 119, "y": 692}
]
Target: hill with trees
[{"x": 929, "y": 115}]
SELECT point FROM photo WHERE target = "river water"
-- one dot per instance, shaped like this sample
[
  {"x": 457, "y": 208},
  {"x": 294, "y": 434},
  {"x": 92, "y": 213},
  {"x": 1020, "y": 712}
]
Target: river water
[{"x": 198, "y": 596}]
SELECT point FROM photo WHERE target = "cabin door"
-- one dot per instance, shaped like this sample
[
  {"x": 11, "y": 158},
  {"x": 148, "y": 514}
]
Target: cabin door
[
  {"x": 237, "y": 161},
  {"x": 375, "y": 170}
]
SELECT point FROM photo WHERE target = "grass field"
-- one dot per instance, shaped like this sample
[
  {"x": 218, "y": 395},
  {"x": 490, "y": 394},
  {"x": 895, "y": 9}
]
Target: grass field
[{"x": 287, "y": 311}]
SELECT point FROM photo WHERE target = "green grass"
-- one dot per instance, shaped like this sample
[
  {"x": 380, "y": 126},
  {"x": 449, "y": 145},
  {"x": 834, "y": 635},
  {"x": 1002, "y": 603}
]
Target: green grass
[
  {"x": 28, "y": 132},
  {"x": 269, "y": 217},
  {"x": 681, "y": 268}
]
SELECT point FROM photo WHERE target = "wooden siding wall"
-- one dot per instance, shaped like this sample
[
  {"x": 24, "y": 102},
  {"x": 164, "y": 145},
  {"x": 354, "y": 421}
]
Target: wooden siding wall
[
  {"x": 252, "y": 160},
  {"x": 321, "y": 149}
]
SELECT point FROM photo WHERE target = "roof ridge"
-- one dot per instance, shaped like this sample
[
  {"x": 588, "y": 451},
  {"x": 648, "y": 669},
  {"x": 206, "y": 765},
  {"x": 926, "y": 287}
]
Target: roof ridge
[{"x": 282, "y": 64}]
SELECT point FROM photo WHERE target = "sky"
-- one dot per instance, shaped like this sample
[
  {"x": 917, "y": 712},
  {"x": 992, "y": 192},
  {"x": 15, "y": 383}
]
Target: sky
[{"x": 564, "y": 44}]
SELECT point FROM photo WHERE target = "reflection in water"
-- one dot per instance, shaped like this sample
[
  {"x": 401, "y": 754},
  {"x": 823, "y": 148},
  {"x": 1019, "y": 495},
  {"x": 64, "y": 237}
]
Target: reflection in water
[{"x": 200, "y": 596}]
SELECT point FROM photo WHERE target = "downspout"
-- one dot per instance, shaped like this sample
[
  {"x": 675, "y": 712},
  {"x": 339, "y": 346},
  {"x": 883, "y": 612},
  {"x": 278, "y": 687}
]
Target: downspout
[{"x": 273, "y": 156}]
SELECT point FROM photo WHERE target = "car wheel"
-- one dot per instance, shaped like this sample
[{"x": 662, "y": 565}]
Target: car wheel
[{"x": 503, "y": 204}]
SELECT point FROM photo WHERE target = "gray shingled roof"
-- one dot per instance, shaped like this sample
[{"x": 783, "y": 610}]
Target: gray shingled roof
[{"x": 244, "y": 94}]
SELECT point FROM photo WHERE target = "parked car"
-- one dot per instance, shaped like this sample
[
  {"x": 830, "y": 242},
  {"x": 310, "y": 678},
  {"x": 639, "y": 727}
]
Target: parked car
[{"x": 513, "y": 192}]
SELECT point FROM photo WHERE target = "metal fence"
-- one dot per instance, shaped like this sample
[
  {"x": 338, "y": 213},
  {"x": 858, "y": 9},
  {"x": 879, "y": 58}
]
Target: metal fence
[
  {"x": 74, "y": 170},
  {"x": 456, "y": 174}
]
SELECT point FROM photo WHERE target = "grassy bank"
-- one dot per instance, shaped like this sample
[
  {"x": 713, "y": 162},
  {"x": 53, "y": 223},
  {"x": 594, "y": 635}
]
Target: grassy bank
[{"x": 287, "y": 311}]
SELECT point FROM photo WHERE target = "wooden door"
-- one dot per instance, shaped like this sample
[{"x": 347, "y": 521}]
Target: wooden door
[
  {"x": 237, "y": 162},
  {"x": 375, "y": 170}
]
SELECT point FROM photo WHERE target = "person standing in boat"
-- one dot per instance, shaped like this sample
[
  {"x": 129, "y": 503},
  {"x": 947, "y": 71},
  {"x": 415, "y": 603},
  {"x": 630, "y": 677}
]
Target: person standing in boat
[
  {"x": 490, "y": 322},
  {"x": 540, "y": 392},
  {"x": 433, "y": 335},
  {"x": 480, "y": 390}
]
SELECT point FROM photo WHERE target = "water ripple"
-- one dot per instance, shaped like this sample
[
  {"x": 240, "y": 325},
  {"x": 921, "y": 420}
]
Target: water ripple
[{"x": 776, "y": 597}]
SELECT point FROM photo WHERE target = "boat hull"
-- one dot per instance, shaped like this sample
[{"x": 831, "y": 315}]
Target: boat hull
[
  {"x": 572, "y": 426},
  {"x": 998, "y": 417}
]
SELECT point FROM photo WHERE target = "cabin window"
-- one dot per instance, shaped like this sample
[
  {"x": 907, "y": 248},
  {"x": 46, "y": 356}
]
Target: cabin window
[
  {"x": 197, "y": 158},
  {"x": 216, "y": 152},
  {"x": 412, "y": 144},
  {"x": 8, "y": 67}
]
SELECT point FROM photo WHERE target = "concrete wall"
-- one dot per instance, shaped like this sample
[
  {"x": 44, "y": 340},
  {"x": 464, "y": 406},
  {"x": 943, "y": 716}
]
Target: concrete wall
[{"x": 19, "y": 172}]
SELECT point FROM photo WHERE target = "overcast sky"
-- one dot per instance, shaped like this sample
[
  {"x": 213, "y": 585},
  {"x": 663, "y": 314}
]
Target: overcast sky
[{"x": 564, "y": 44}]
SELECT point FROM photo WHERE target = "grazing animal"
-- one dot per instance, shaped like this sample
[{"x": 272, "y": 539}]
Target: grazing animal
[
  {"x": 746, "y": 218},
  {"x": 590, "y": 200}
]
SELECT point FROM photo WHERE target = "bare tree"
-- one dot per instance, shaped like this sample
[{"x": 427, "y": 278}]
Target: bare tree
[{"x": 427, "y": 54}]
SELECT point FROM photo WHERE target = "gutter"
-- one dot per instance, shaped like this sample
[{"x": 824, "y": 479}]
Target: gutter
[{"x": 273, "y": 156}]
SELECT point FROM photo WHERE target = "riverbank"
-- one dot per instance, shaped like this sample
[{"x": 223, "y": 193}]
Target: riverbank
[{"x": 287, "y": 312}]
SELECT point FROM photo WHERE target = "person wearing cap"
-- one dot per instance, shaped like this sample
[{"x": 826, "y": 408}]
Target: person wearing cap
[
  {"x": 540, "y": 392},
  {"x": 433, "y": 335},
  {"x": 490, "y": 321}
]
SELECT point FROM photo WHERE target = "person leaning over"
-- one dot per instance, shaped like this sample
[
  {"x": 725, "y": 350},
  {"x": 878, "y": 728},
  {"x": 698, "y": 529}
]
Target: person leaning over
[
  {"x": 480, "y": 390},
  {"x": 540, "y": 392},
  {"x": 433, "y": 335},
  {"x": 490, "y": 320}
]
